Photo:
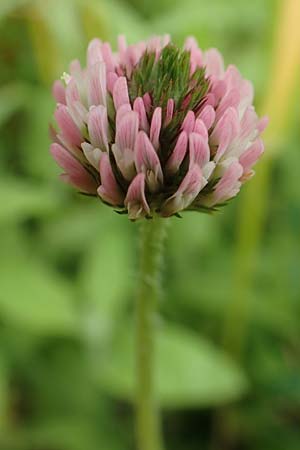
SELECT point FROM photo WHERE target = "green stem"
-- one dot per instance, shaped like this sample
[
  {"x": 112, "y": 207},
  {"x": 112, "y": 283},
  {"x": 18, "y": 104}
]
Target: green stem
[{"x": 147, "y": 416}]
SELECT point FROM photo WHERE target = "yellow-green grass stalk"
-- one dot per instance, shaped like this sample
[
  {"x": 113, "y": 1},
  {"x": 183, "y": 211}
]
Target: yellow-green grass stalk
[{"x": 278, "y": 102}]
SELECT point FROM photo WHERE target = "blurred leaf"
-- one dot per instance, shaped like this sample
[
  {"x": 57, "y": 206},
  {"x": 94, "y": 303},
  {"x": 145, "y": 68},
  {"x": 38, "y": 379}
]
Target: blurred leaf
[
  {"x": 118, "y": 18},
  {"x": 201, "y": 233},
  {"x": 34, "y": 298},
  {"x": 3, "y": 391},
  {"x": 190, "y": 372},
  {"x": 64, "y": 433},
  {"x": 106, "y": 277},
  {"x": 13, "y": 97},
  {"x": 194, "y": 17},
  {"x": 47, "y": 56},
  {"x": 67, "y": 433},
  {"x": 21, "y": 199},
  {"x": 71, "y": 391},
  {"x": 8, "y": 6},
  {"x": 153, "y": 8},
  {"x": 75, "y": 226},
  {"x": 62, "y": 20},
  {"x": 95, "y": 19},
  {"x": 252, "y": 213},
  {"x": 56, "y": 36},
  {"x": 72, "y": 230},
  {"x": 35, "y": 155}
]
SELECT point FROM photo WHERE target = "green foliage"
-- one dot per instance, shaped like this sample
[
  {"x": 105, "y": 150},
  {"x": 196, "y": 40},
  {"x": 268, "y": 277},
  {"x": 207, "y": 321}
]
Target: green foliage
[
  {"x": 105, "y": 300},
  {"x": 190, "y": 372},
  {"x": 26, "y": 199},
  {"x": 3, "y": 392},
  {"x": 13, "y": 97},
  {"x": 8, "y": 6},
  {"x": 34, "y": 299},
  {"x": 67, "y": 270}
]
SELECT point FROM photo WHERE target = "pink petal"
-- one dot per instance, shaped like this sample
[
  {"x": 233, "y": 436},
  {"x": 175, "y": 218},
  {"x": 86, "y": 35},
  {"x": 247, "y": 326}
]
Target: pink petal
[
  {"x": 199, "y": 150},
  {"x": 219, "y": 88},
  {"x": 80, "y": 77},
  {"x": 178, "y": 154},
  {"x": 75, "y": 68},
  {"x": 121, "y": 112},
  {"x": 192, "y": 183},
  {"x": 196, "y": 59},
  {"x": 200, "y": 128},
  {"x": 98, "y": 127},
  {"x": 67, "y": 126},
  {"x": 208, "y": 169},
  {"x": 111, "y": 80},
  {"x": 79, "y": 115},
  {"x": 126, "y": 133},
  {"x": 76, "y": 174},
  {"x": 120, "y": 93},
  {"x": 92, "y": 154},
  {"x": 188, "y": 190},
  {"x": 262, "y": 124},
  {"x": 58, "y": 92},
  {"x": 248, "y": 124},
  {"x": 190, "y": 43},
  {"x": 139, "y": 107},
  {"x": 122, "y": 48},
  {"x": 225, "y": 131},
  {"x": 214, "y": 62},
  {"x": 232, "y": 77},
  {"x": 246, "y": 94},
  {"x": 64, "y": 159},
  {"x": 207, "y": 115},
  {"x": 186, "y": 101},
  {"x": 154, "y": 44},
  {"x": 75, "y": 107},
  {"x": 170, "y": 111},
  {"x": 108, "y": 57},
  {"x": 189, "y": 122},
  {"x": 96, "y": 85},
  {"x": 156, "y": 127},
  {"x": 135, "y": 200},
  {"x": 229, "y": 185},
  {"x": 72, "y": 93},
  {"x": 83, "y": 184},
  {"x": 147, "y": 161},
  {"x": 234, "y": 80},
  {"x": 125, "y": 161},
  {"x": 147, "y": 102},
  {"x": 127, "y": 130},
  {"x": 230, "y": 100},
  {"x": 251, "y": 155},
  {"x": 166, "y": 39},
  {"x": 210, "y": 99},
  {"x": 94, "y": 52},
  {"x": 109, "y": 189},
  {"x": 133, "y": 55}
]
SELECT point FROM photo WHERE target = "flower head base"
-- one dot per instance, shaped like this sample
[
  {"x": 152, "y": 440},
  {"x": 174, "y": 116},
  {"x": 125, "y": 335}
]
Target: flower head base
[{"x": 155, "y": 129}]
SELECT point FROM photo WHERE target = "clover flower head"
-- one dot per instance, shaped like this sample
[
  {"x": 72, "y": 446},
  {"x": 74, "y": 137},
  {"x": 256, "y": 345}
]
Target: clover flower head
[{"x": 155, "y": 129}]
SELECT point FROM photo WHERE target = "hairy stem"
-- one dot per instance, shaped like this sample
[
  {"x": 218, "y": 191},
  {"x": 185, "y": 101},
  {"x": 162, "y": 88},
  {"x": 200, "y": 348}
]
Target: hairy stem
[{"x": 147, "y": 415}]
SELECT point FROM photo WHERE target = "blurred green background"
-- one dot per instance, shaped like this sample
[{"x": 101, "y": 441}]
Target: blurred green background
[{"x": 228, "y": 359}]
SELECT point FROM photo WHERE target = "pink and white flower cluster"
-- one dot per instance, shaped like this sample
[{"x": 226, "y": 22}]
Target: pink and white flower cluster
[{"x": 145, "y": 157}]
